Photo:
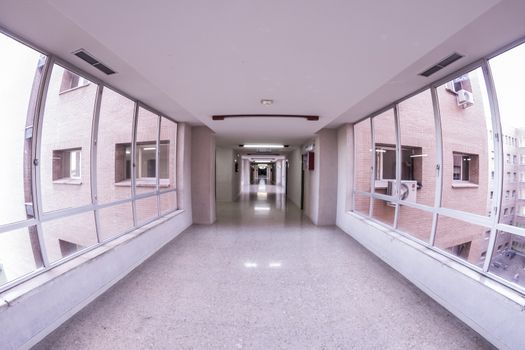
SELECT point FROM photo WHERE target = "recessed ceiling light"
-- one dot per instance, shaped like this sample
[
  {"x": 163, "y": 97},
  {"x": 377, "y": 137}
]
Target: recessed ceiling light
[{"x": 266, "y": 102}]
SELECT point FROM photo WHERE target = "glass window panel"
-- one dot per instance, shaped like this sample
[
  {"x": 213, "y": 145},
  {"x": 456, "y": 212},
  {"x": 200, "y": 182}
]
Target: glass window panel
[
  {"x": 385, "y": 157},
  {"x": 383, "y": 211},
  {"x": 66, "y": 141},
  {"x": 115, "y": 220},
  {"x": 508, "y": 70},
  {"x": 146, "y": 209},
  {"x": 462, "y": 239},
  {"x": 418, "y": 147},
  {"x": 417, "y": 223},
  {"x": 168, "y": 153},
  {"x": 19, "y": 253},
  {"x": 361, "y": 204},
  {"x": 467, "y": 144},
  {"x": 20, "y": 72},
  {"x": 363, "y": 155},
  {"x": 67, "y": 235},
  {"x": 114, "y": 147},
  {"x": 168, "y": 202},
  {"x": 146, "y": 151},
  {"x": 508, "y": 258}
]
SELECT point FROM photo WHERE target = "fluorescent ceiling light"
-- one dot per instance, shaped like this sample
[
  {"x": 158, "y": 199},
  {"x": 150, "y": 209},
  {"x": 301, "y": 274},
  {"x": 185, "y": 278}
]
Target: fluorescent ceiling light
[
  {"x": 419, "y": 155},
  {"x": 275, "y": 264},
  {"x": 262, "y": 145},
  {"x": 149, "y": 148},
  {"x": 250, "y": 265}
]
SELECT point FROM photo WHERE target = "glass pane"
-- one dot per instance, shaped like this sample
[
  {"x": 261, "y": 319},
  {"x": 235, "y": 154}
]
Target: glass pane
[
  {"x": 168, "y": 202},
  {"x": 462, "y": 239},
  {"x": 66, "y": 141},
  {"x": 114, "y": 147},
  {"x": 415, "y": 222},
  {"x": 384, "y": 211},
  {"x": 115, "y": 220},
  {"x": 168, "y": 153},
  {"x": 361, "y": 204},
  {"x": 385, "y": 157},
  {"x": 363, "y": 155},
  {"x": 508, "y": 70},
  {"x": 146, "y": 151},
  {"x": 508, "y": 258},
  {"x": 20, "y": 72},
  {"x": 19, "y": 253},
  {"x": 468, "y": 160},
  {"x": 418, "y": 147},
  {"x": 146, "y": 209},
  {"x": 65, "y": 236}
]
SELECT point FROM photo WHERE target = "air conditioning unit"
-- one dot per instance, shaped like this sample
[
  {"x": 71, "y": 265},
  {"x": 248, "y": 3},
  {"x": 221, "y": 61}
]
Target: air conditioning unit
[
  {"x": 465, "y": 98},
  {"x": 407, "y": 191}
]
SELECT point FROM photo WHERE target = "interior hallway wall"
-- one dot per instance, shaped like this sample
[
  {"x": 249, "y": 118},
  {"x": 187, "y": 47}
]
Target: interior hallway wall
[
  {"x": 236, "y": 175},
  {"x": 224, "y": 174},
  {"x": 320, "y": 184},
  {"x": 326, "y": 165},
  {"x": 203, "y": 175},
  {"x": 294, "y": 176},
  {"x": 228, "y": 181}
]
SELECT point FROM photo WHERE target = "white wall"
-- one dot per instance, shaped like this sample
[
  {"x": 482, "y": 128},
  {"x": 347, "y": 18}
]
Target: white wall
[
  {"x": 494, "y": 311},
  {"x": 326, "y": 164},
  {"x": 203, "y": 175},
  {"x": 228, "y": 182},
  {"x": 294, "y": 176},
  {"x": 320, "y": 184},
  {"x": 33, "y": 309},
  {"x": 224, "y": 174},
  {"x": 236, "y": 176}
]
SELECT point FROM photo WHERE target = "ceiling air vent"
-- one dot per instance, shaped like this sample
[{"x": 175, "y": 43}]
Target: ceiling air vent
[
  {"x": 87, "y": 57},
  {"x": 442, "y": 64}
]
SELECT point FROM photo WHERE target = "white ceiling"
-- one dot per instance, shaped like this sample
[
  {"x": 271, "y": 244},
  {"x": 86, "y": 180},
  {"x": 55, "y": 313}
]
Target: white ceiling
[{"x": 338, "y": 59}]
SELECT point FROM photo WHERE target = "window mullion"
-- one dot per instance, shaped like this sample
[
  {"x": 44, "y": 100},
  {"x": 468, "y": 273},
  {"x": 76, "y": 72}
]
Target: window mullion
[
  {"x": 157, "y": 165},
  {"x": 133, "y": 162},
  {"x": 439, "y": 163},
  {"x": 498, "y": 161},
  {"x": 373, "y": 167},
  {"x": 93, "y": 159},
  {"x": 37, "y": 142},
  {"x": 398, "y": 163}
]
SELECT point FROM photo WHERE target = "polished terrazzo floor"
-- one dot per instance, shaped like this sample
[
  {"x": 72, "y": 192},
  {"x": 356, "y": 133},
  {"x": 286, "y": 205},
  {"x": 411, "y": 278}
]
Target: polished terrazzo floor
[{"x": 263, "y": 277}]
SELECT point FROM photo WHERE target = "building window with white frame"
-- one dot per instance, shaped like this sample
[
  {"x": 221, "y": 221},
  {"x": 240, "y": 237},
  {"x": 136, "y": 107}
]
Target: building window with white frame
[
  {"x": 465, "y": 167},
  {"x": 67, "y": 165}
]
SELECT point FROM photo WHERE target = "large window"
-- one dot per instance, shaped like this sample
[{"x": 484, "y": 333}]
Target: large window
[
  {"x": 385, "y": 166},
  {"x": 508, "y": 254},
  {"x": 362, "y": 164},
  {"x": 115, "y": 132},
  {"x": 146, "y": 151},
  {"x": 88, "y": 181},
  {"x": 21, "y": 71},
  {"x": 448, "y": 139},
  {"x": 66, "y": 144}
]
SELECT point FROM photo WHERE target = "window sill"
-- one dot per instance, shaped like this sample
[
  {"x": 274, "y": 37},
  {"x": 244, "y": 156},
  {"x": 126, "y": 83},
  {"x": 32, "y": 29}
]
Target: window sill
[
  {"x": 73, "y": 89},
  {"x": 144, "y": 183},
  {"x": 464, "y": 185},
  {"x": 68, "y": 181}
]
